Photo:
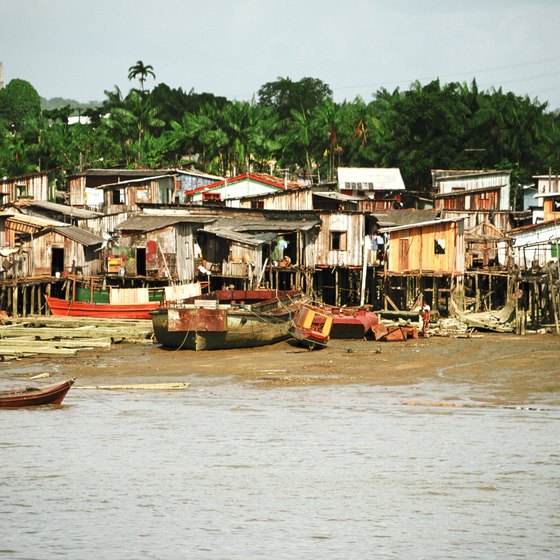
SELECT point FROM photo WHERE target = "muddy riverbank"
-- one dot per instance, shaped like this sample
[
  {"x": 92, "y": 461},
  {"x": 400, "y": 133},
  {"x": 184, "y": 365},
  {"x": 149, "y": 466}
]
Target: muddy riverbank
[{"x": 490, "y": 368}]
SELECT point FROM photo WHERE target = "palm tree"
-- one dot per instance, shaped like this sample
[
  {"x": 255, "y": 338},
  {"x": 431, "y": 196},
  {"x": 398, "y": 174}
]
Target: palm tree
[
  {"x": 134, "y": 121},
  {"x": 141, "y": 72}
]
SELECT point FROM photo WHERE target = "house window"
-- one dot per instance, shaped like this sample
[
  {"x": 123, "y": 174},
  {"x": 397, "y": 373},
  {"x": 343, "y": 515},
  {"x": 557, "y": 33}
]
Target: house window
[
  {"x": 117, "y": 196},
  {"x": 21, "y": 190},
  {"x": 554, "y": 250},
  {"x": 257, "y": 204},
  {"x": 556, "y": 204},
  {"x": 439, "y": 246},
  {"x": 338, "y": 241}
]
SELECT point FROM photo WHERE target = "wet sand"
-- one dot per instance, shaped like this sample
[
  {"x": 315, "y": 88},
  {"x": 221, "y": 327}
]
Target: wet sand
[{"x": 493, "y": 369}]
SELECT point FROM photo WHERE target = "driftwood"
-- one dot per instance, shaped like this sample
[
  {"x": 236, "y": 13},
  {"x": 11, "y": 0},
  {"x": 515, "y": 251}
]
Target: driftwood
[{"x": 142, "y": 387}]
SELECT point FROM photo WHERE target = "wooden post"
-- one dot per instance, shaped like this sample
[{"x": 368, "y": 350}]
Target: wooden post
[
  {"x": 32, "y": 299},
  {"x": 476, "y": 294},
  {"x": 554, "y": 302},
  {"x": 535, "y": 307},
  {"x": 364, "y": 274},
  {"x": 40, "y": 298},
  {"x": 15, "y": 301},
  {"x": 336, "y": 288}
]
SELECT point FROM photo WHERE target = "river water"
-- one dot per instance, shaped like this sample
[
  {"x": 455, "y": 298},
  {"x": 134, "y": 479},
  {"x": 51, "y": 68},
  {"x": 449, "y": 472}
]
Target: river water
[{"x": 227, "y": 470}]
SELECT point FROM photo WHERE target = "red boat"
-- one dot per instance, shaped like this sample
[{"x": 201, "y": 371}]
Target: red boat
[
  {"x": 350, "y": 322},
  {"x": 65, "y": 308},
  {"x": 35, "y": 396}
]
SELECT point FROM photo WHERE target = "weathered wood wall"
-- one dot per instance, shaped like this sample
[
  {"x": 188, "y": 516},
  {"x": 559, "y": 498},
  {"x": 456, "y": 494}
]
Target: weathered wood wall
[{"x": 414, "y": 249}]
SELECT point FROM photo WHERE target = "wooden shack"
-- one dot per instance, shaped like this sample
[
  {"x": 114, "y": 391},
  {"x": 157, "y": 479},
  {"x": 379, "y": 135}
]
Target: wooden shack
[
  {"x": 476, "y": 196},
  {"x": 425, "y": 258},
  {"x": 435, "y": 247},
  {"x": 83, "y": 186},
  {"x": 62, "y": 250},
  {"x": 155, "y": 246},
  {"x": 30, "y": 186}
]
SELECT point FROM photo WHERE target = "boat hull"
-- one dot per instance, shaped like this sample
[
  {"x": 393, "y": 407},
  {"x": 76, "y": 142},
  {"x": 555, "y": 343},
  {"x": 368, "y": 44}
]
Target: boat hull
[
  {"x": 226, "y": 319},
  {"x": 64, "y": 308},
  {"x": 51, "y": 394},
  {"x": 240, "y": 330}
]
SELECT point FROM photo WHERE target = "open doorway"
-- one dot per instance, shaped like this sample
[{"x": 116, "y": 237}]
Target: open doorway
[
  {"x": 141, "y": 261},
  {"x": 57, "y": 260}
]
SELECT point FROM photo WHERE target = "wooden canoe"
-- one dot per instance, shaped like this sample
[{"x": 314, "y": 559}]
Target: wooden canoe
[{"x": 35, "y": 396}]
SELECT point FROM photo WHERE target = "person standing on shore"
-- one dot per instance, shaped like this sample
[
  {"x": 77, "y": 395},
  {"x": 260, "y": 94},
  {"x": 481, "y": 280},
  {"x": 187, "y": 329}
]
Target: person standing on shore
[{"x": 425, "y": 319}]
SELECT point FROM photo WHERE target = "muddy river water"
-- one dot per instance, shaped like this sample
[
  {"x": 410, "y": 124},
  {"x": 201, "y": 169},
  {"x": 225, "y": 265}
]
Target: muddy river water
[{"x": 229, "y": 469}]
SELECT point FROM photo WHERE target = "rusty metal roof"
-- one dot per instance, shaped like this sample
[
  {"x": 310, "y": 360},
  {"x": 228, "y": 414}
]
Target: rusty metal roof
[
  {"x": 421, "y": 224},
  {"x": 390, "y": 218},
  {"x": 144, "y": 222},
  {"x": 333, "y": 195},
  {"x": 79, "y": 235},
  {"x": 241, "y": 237},
  {"x": 64, "y": 209}
]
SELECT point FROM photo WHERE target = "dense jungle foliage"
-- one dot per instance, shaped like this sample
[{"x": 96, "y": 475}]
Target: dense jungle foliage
[{"x": 294, "y": 126}]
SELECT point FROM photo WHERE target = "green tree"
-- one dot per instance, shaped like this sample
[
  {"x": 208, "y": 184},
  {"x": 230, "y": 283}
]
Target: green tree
[
  {"x": 284, "y": 95},
  {"x": 132, "y": 122},
  {"x": 19, "y": 101}
]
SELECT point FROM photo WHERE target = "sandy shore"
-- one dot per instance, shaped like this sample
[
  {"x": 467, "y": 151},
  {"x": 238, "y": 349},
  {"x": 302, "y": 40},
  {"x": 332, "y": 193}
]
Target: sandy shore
[{"x": 489, "y": 368}]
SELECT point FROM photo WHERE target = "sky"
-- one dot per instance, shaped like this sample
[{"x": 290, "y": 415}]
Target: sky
[{"x": 79, "y": 49}]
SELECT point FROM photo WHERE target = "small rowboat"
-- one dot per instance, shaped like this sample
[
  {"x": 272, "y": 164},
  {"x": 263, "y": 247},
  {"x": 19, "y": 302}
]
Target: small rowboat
[{"x": 34, "y": 396}]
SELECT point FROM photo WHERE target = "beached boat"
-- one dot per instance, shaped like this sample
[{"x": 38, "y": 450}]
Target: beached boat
[
  {"x": 351, "y": 322},
  {"x": 71, "y": 308},
  {"x": 35, "y": 396},
  {"x": 226, "y": 319},
  {"x": 311, "y": 326}
]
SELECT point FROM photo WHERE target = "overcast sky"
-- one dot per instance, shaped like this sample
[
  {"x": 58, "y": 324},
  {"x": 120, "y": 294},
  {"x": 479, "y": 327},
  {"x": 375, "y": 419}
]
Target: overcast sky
[{"x": 78, "y": 49}]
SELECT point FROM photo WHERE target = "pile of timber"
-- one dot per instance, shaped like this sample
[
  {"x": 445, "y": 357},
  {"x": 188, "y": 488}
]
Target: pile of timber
[{"x": 65, "y": 336}]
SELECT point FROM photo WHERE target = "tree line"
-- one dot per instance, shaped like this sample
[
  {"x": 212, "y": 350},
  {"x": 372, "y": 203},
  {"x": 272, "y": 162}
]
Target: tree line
[{"x": 292, "y": 126}]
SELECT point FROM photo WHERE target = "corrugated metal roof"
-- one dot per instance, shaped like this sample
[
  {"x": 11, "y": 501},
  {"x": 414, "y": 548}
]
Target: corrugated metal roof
[
  {"x": 121, "y": 173},
  {"x": 143, "y": 222},
  {"x": 338, "y": 196},
  {"x": 64, "y": 209},
  {"x": 139, "y": 181},
  {"x": 468, "y": 192},
  {"x": 421, "y": 224},
  {"x": 79, "y": 235},
  {"x": 38, "y": 221},
  {"x": 256, "y": 232},
  {"x": 241, "y": 237},
  {"x": 547, "y": 195},
  {"x": 390, "y": 218},
  {"x": 370, "y": 178}
]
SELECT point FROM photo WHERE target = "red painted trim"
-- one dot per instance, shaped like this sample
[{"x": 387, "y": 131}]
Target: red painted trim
[{"x": 236, "y": 179}]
